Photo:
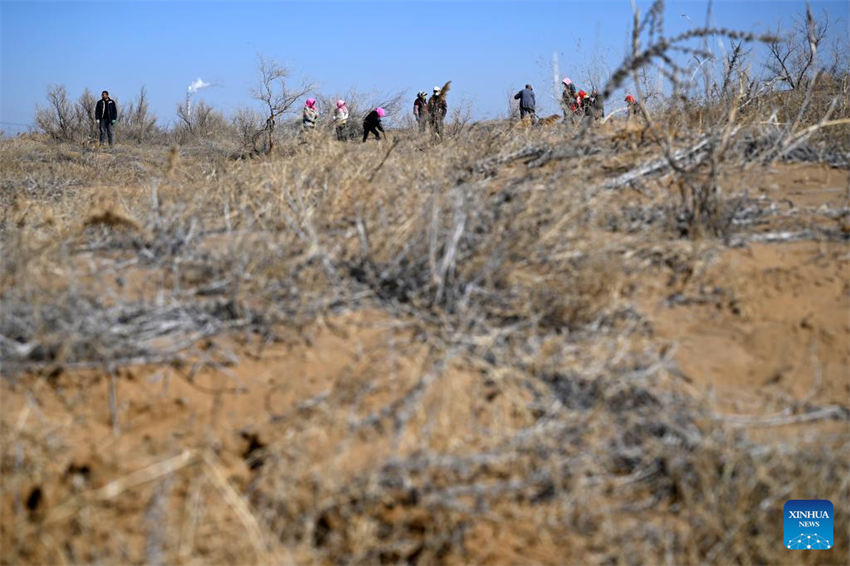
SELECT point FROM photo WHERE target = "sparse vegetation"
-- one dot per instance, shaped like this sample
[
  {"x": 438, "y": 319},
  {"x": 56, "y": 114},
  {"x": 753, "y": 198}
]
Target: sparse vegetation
[{"x": 411, "y": 352}]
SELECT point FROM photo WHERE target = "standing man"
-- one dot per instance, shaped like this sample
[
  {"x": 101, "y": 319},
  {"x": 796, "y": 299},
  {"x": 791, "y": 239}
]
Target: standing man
[
  {"x": 420, "y": 110},
  {"x": 105, "y": 113},
  {"x": 437, "y": 109},
  {"x": 527, "y": 103}
]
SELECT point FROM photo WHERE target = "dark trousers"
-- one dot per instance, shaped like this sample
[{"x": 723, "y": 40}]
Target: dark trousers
[
  {"x": 105, "y": 131},
  {"x": 370, "y": 130},
  {"x": 523, "y": 112}
]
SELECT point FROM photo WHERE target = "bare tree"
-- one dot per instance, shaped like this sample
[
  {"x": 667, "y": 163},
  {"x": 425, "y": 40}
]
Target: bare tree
[
  {"x": 838, "y": 64},
  {"x": 184, "y": 113},
  {"x": 248, "y": 125},
  {"x": 793, "y": 55},
  {"x": 461, "y": 116},
  {"x": 203, "y": 120},
  {"x": 84, "y": 113},
  {"x": 275, "y": 94},
  {"x": 57, "y": 120},
  {"x": 140, "y": 123}
]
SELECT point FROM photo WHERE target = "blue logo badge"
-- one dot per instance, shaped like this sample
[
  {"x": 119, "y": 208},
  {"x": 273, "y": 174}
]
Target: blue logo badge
[{"x": 808, "y": 524}]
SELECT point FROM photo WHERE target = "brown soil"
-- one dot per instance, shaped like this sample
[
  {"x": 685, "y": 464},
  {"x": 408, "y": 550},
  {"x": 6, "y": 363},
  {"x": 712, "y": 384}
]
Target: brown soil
[
  {"x": 768, "y": 325},
  {"x": 774, "y": 327},
  {"x": 756, "y": 330}
]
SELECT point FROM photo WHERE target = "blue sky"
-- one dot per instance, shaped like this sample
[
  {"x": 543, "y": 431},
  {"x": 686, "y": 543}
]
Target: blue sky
[{"x": 488, "y": 49}]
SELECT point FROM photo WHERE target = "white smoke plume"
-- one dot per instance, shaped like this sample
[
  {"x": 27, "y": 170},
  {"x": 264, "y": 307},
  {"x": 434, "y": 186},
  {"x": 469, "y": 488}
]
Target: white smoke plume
[{"x": 197, "y": 85}]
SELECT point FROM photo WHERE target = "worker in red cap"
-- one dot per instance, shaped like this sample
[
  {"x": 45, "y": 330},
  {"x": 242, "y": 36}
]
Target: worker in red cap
[
  {"x": 581, "y": 100},
  {"x": 633, "y": 107}
]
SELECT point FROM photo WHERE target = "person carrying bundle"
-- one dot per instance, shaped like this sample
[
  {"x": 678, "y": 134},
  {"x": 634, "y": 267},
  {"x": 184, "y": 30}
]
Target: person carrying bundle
[{"x": 437, "y": 109}]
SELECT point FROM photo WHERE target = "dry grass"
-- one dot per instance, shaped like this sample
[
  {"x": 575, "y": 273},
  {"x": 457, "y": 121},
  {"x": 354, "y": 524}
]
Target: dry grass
[
  {"x": 534, "y": 406},
  {"x": 485, "y": 387}
]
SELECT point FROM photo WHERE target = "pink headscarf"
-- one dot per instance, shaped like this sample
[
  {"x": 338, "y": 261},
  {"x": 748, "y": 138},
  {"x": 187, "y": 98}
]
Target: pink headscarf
[
  {"x": 311, "y": 103},
  {"x": 381, "y": 112},
  {"x": 340, "y": 103},
  {"x": 567, "y": 81}
]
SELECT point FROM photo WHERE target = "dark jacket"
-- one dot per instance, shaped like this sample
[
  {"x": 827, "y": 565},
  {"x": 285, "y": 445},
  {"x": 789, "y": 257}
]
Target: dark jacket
[
  {"x": 437, "y": 107},
  {"x": 420, "y": 107},
  {"x": 526, "y": 99},
  {"x": 110, "y": 113},
  {"x": 372, "y": 121}
]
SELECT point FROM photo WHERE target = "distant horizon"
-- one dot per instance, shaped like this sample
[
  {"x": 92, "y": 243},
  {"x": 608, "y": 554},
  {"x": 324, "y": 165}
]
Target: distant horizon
[{"x": 488, "y": 49}]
